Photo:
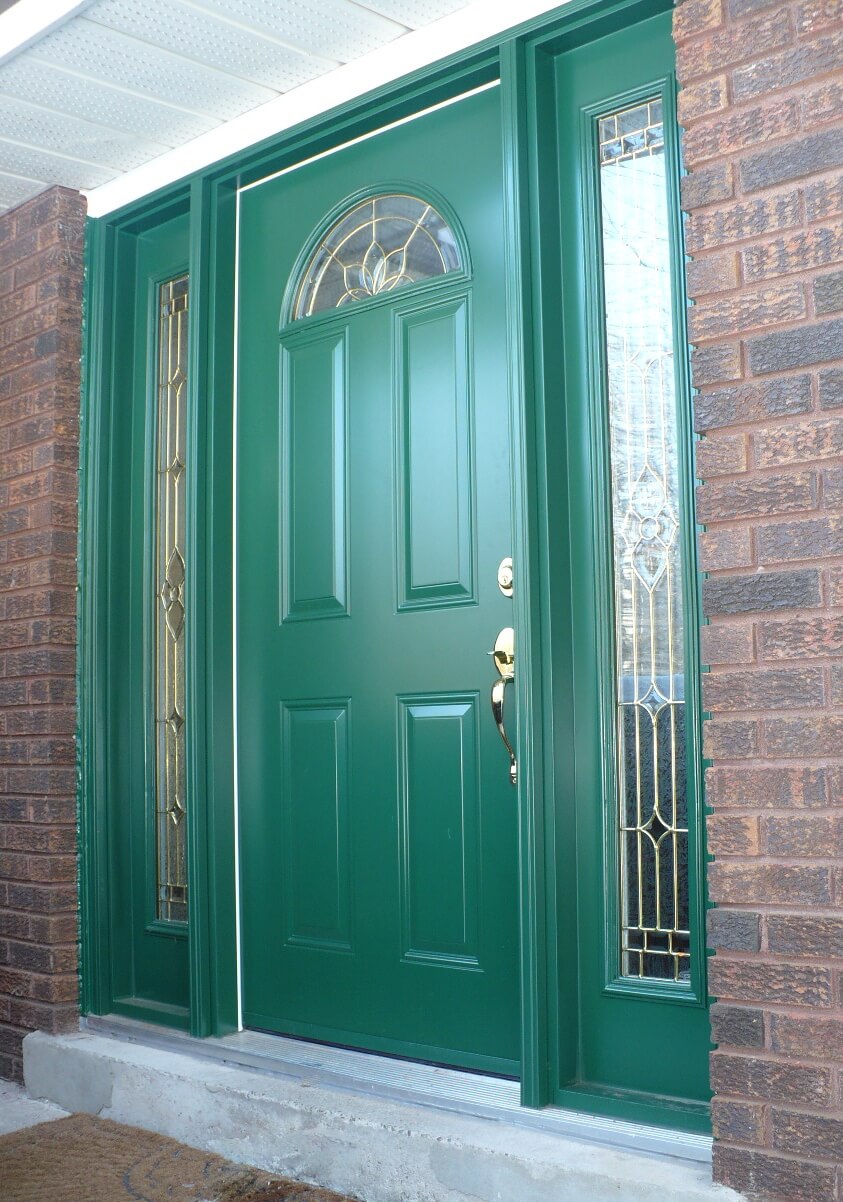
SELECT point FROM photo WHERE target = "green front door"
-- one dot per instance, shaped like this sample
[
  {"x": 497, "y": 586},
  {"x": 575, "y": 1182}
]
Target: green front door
[{"x": 377, "y": 820}]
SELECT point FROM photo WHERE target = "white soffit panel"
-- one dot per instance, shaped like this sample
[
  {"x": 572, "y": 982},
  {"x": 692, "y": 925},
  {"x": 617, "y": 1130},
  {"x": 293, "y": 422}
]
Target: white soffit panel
[
  {"x": 35, "y": 164},
  {"x": 416, "y": 13},
  {"x": 119, "y": 97},
  {"x": 14, "y": 189},
  {"x": 93, "y": 100},
  {"x": 336, "y": 29},
  {"x": 27, "y": 124},
  {"x": 115, "y": 58},
  {"x": 185, "y": 30}
]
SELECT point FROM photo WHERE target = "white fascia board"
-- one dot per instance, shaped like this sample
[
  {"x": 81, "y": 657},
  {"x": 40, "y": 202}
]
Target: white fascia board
[
  {"x": 30, "y": 20},
  {"x": 410, "y": 52}
]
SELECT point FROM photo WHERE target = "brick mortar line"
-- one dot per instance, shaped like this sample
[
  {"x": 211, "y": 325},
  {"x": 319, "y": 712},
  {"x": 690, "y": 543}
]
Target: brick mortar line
[
  {"x": 786, "y": 373},
  {"x": 799, "y": 91},
  {"x": 701, "y": 299},
  {"x": 809, "y": 422},
  {"x": 825, "y": 175},
  {"x": 766, "y": 99},
  {"x": 774, "y": 764},
  {"x": 803, "y": 713},
  {"x": 771, "y": 910},
  {"x": 787, "y": 1107},
  {"x": 73, "y": 266},
  {"x": 774, "y": 565},
  {"x": 64, "y": 323},
  {"x": 764, "y": 102},
  {"x": 756, "y": 617},
  {"x": 823, "y": 659},
  {"x": 774, "y": 1153},
  {"x": 753, "y": 333},
  {"x": 773, "y": 959},
  {"x": 65, "y": 442},
  {"x": 743, "y": 21},
  {"x": 761, "y": 472},
  {"x": 17, "y": 256},
  {"x": 829, "y": 177},
  {"x": 768, "y": 1056},
  {"x": 754, "y": 521}
]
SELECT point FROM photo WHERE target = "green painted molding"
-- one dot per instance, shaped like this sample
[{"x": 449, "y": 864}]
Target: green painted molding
[{"x": 535, "y": 1083}]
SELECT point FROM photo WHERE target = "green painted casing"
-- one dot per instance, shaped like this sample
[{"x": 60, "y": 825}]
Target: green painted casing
[
  {"x": 143, "y": 970},
  {"x": 526, "y": 61},
  {"x": 661, "y": 1014}
]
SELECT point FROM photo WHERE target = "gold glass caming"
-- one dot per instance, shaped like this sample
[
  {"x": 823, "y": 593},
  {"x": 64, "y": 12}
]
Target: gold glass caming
[
  {"x": 169, "y": 603},
  {"x": 378, "y": 245},
  {"x": 649, "y": 640}
]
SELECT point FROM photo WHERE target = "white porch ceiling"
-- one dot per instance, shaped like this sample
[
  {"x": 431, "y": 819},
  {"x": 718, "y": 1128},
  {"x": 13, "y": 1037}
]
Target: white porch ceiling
[{"x": 115, "y": 97}]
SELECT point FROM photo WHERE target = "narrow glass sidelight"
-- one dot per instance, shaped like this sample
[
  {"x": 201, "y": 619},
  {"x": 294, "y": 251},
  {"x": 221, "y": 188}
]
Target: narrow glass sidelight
[
  {"x": 647, "y": 512},
  {"x": 171, "y": 847}
]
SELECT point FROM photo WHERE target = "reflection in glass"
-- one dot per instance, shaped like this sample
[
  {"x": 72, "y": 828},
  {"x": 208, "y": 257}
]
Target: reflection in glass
[
  {"x": 646, "y": 509},
  {"x": 378, "y": 245},
  {"x": 170, "y": 603}
]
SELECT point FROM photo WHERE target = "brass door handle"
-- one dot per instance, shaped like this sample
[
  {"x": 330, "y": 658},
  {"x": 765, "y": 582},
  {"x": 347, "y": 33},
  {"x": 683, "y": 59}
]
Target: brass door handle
[{"x": 504, "y": 657}]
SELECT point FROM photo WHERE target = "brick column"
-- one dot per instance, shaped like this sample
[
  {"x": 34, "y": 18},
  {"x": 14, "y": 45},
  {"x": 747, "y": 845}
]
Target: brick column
[
  {"x": 40, "y": 328},
  {"x": 762, "y": 103}
]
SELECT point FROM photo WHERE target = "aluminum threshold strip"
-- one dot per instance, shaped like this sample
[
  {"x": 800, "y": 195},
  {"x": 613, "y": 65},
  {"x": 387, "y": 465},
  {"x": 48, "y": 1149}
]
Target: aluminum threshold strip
[{"x": 405, "y": 1081}]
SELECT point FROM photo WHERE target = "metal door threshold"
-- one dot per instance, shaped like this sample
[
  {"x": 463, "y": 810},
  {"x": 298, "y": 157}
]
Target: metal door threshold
[{"x": 466, "y": 1093}]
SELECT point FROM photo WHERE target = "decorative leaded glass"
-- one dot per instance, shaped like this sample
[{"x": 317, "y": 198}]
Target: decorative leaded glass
[
  {"x": 378, "y": 245},
  {"x": 170, "y": 603},
  {"x": 646, "y": 516}
]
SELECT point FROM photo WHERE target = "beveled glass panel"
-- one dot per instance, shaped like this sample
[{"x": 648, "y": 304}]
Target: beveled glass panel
[
  {"x": 647, "y": 548},
  {"x": 170, "y": 822},
  {"x": 380, "y": 244}
]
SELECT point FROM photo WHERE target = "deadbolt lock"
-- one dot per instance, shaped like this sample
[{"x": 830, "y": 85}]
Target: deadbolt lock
[{"x": 505, "y": 576}]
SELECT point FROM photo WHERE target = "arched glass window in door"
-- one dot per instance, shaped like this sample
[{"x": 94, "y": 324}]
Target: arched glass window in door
[{"x": 376, "y": 246}]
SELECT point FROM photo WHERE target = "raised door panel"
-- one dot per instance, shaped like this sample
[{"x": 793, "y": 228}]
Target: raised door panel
[
  {"x": 435, "y": 521},
  {"x": 313, "y": 502},
  {"x": 315, "y": 793},
  {"x": 439, "y": 815}
]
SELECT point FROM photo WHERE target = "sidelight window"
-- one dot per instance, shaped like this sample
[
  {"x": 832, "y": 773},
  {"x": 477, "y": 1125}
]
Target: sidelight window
[
  {"x": 169, "y": 601},
  {"x": 647, "y": 546}
]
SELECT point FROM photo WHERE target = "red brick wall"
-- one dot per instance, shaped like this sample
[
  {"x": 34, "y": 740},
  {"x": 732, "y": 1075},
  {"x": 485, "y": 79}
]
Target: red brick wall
[
  {"x": 40, "y": 329},
  {"x": 762, "y": 104}
]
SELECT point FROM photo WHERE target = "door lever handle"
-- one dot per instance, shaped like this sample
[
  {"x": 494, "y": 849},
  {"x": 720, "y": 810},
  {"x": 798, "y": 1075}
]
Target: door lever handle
[{"x": 504, "y": 657}]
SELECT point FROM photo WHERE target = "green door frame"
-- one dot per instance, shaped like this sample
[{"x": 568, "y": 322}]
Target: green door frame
[{"x": 522, "y": 61}]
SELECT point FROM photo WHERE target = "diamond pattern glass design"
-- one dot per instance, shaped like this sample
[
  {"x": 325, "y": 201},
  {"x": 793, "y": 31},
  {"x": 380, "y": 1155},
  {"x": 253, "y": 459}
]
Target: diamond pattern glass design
[
  {"x": 378, "y": 245},
  {"x": 170, "y": 604},
  {"x": 649, "y": 630}
]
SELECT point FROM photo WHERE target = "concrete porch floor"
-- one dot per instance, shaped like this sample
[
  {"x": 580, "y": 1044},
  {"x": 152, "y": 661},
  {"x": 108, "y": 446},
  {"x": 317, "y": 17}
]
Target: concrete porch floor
[
  {"x": 346, "y": 1137},
  {"x": 18, "y": 1110}
]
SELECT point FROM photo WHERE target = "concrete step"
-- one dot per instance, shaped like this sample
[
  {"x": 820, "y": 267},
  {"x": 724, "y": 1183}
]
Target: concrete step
[{"x": 351, "y": 1139}]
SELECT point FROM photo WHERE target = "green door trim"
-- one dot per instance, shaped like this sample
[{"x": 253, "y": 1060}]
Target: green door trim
[
  {"x": 535, "y": 1062},
  {"x": 522, "y": 61},
  {"x": 585, "y": 369}
]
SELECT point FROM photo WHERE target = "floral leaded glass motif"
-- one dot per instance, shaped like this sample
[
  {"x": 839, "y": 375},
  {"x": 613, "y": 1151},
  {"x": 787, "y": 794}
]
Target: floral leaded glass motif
[
  {"x": 170, "y": 603},
  {"x": 378, "y": 245},
  {"x": 646, "y": 515}
]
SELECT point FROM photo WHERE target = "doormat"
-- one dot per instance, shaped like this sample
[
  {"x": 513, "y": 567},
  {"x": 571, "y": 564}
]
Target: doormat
[{"x": 85, "y": 1159}]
